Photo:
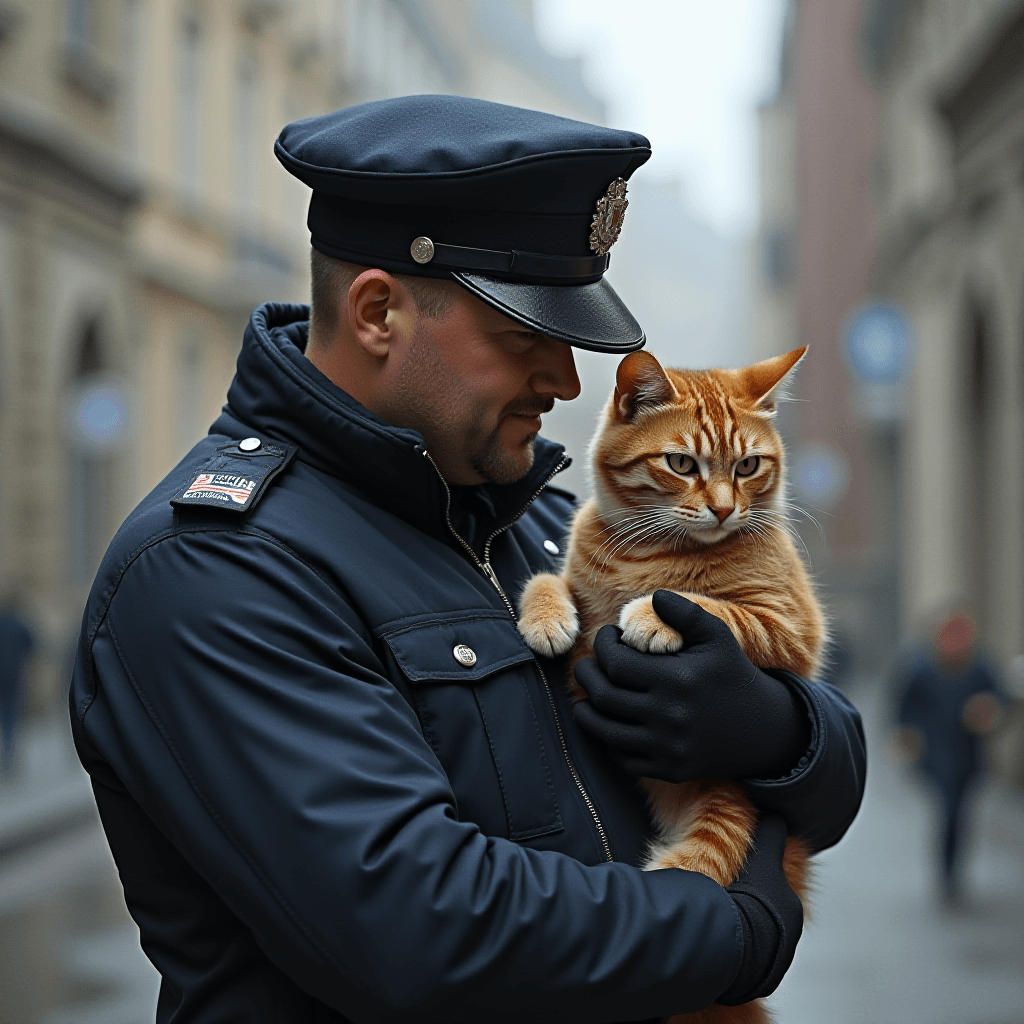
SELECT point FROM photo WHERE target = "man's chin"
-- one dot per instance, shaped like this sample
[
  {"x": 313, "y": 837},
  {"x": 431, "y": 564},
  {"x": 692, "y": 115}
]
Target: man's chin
[{"x": 500, "y": 465}]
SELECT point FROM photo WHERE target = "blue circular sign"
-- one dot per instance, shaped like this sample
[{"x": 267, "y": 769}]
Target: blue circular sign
[
  {"x": 96, "y": 414},
  {"x": 821, "y": 475},
  {"x": 102, "y": 416},
  {"x": 878, "y": 342}
]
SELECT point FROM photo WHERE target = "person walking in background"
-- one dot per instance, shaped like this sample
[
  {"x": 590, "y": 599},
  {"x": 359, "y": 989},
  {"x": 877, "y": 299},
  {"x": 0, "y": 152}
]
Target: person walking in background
[
  {"x": 15, "y": 648},
  {"x": 949, "y": 699}
]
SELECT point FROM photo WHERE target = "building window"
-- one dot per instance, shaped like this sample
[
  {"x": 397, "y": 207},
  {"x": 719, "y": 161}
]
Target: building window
[
  {"x": 83, "y": 70},
  {"x": 979, "y": 468},
  {"x": 96, "y": 425},
  {"x": 190, "y": 68},
  {"x": 247, "y": 128},
  {"x": 190, "y": 405},
  {"x": 79, "y": 14},
  {"x": 131, "y": 74}
]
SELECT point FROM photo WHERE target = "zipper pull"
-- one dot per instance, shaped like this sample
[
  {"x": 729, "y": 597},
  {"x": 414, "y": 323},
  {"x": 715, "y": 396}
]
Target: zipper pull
[{"x": 493, "y": 577}]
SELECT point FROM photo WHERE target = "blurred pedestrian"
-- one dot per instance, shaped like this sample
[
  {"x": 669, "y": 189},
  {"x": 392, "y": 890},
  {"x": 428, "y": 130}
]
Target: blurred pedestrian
[
  {"x": 949, "y": 699},
  {"x": 15, "y": 648}
]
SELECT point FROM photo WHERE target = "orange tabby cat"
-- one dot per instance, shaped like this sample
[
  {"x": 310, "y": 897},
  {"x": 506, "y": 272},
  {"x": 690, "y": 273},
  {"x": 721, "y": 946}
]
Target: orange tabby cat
[{"x": 689, "y": 481}]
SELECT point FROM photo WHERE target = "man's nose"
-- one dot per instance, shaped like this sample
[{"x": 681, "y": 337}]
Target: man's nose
[{"x": 557, "y": 375}]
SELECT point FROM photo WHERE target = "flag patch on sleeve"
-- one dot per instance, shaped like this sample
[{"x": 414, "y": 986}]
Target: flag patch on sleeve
[{"x": 234, "y": 480}]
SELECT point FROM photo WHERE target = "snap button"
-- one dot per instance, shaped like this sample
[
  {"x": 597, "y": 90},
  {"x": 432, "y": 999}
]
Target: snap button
[
  {"x": 551, "y": 547},
  {"x": 250, "y": 444},
  {"x": 422, "y": 249},
  {"x": 465, "y": 655}
]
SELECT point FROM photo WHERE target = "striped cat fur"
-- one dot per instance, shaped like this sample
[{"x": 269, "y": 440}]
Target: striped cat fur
[{"x": 689, "y": 495}]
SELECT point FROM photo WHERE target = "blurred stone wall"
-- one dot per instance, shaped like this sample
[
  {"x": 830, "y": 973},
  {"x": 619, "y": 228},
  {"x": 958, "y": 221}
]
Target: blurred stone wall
[
  {"x": 815, "y": 246},
  {"x": 950, "y": 215},
  {"x": 143, "y": 215}
]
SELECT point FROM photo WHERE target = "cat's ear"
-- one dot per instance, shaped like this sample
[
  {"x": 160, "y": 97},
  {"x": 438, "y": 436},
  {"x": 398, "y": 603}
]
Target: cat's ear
[
  {"x": 640, "y": 383},
  {"x": 765, "y": 382}
]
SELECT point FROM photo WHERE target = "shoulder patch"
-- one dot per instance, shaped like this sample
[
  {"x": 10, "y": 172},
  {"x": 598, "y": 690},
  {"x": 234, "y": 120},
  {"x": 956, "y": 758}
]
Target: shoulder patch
[{"x": 234, "y": 480}]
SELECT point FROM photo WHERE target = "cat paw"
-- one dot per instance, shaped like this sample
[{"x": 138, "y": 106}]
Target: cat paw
[
  {"x": 644, "y": 631},
  {"x": 547, "y": 616}
]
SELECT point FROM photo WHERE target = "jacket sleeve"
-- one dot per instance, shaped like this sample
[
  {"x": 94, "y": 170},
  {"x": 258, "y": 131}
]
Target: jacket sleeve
[
  {"x": 241, "y": 704},
  {"x": 821, "y": 796}
]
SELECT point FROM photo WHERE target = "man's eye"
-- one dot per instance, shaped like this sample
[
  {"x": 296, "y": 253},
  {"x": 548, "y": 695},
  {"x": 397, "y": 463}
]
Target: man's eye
[
  {"x": 520, "y": 341},
  {"x": 682, "y": 464}
]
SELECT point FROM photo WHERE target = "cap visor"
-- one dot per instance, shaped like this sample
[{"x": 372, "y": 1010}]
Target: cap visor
[{"x": 585, "y": 315}]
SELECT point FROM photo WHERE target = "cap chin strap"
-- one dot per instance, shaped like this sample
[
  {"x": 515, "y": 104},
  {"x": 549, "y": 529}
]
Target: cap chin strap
[{"x": 523, "y": 265}]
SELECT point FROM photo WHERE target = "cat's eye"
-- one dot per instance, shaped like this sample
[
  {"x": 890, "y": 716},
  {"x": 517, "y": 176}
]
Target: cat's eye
[
  {"x": 748, "y": 466},
  {"x": 680, "y": 463}
]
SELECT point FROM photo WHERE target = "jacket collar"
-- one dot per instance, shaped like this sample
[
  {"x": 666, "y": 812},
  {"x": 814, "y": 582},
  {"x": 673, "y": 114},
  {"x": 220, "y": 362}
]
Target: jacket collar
[{"x": 279, "y": 394}]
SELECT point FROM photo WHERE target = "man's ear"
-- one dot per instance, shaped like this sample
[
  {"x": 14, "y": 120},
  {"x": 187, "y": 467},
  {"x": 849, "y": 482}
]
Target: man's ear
[
  {"x": 371, "y": 303},
  {"x": 765, "y": 382},
  {"x": 640, "y": 383}
]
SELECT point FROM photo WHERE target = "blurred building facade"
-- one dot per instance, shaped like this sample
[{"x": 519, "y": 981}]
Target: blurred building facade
[
  {"x": 143, "y": 216},
  {"x": 891, "y": 180},
  {"x": 950, "y": 216},
  {"x": 815, "y": 246}
]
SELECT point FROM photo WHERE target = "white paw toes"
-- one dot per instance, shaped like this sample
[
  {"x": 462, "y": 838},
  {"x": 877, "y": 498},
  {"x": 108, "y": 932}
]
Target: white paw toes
[
  {"x": 547, "y": 616},
  {"x": 644, "y": 631},
  {"x": 551, "y": 638}
]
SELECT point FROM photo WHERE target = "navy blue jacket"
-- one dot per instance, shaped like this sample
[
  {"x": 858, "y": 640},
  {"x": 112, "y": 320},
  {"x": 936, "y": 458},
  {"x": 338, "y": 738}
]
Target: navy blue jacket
[{"x": 317, "y": 811}]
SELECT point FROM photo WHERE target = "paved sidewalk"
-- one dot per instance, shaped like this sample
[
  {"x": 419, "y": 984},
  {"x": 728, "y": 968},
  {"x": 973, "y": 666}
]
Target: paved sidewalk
[
  {"x": 69, "y": 953},
  {"x": 880, "y": 950}
]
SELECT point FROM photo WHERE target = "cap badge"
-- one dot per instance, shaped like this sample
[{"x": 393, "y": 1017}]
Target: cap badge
[{"x": 608, "y": 217}]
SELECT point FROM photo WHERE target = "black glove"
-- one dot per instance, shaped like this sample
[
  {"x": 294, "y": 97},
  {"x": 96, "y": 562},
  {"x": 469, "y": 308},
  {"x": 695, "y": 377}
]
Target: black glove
[
  {"x": 771, "y": 915},
  {"x": 703, "y": 713}
]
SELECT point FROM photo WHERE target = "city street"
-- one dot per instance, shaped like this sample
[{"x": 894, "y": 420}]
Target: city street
[
  {"x": 69, "y": 953},
  {"x": 879, "y": 950}
]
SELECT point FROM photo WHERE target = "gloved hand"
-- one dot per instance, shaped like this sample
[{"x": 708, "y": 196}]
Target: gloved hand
[
  {"x": 771, "y": 915},
  {"x": 703, "y": 713}
]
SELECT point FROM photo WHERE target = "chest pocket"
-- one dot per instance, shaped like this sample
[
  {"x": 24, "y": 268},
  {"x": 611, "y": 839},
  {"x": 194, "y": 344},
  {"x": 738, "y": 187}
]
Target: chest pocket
[{"x": 471, "y": 679}]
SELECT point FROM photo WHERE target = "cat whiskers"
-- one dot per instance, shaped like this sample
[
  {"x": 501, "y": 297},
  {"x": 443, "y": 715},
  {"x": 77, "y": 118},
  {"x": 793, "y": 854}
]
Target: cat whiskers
[
  {"x": 629, "y": 521},
  {"x": 633, "y": 533},
  {"x": 635, "y": 526},
  {"x": 769, "y": 517},
  {"x": 807, "y": 515}
]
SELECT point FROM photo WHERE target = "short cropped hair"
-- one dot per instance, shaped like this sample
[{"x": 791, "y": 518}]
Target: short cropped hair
[{"x": 330, "y": 279}]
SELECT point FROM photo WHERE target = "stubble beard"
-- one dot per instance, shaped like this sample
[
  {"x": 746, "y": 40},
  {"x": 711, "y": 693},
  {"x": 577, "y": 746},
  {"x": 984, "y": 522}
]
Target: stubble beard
[
  {"x": 427, "y": 393},
  {"x": 497, "y": 465}
]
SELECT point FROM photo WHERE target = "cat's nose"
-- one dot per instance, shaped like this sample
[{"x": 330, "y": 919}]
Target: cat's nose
[{"x": 722, "y": 513}]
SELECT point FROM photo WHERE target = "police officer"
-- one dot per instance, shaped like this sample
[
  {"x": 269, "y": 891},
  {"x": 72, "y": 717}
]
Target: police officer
[{"x": 337, "y": 784}]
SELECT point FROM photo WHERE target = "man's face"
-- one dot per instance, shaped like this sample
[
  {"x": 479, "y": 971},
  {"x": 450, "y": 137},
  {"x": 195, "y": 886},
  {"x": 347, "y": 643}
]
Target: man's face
[{"x": 475, "y": 384}]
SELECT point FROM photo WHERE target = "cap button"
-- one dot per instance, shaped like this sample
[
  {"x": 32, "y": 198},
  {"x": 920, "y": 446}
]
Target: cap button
[
  {"x": 551, "y": 547},
  {"x": 422, "y": 249},
  {"x": 465, "y": 655},
  {"x": 250, "y": 444}
]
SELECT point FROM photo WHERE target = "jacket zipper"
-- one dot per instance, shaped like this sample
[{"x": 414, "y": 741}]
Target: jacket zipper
[{"x": 488, "y": 571}]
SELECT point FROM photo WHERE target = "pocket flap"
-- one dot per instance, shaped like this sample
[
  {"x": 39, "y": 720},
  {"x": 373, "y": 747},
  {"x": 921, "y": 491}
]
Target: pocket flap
[{"x": 427, "y": 650}]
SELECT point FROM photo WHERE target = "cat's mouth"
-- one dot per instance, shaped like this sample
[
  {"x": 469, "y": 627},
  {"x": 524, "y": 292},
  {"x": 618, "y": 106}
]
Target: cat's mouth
[{"x": 710, "y": 531}]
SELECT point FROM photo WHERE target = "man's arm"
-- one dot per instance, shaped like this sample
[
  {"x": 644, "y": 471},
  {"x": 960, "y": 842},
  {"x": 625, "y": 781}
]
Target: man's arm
[
  {"x": 241, "y": 705},
  {"x": 820, "y": 797}
]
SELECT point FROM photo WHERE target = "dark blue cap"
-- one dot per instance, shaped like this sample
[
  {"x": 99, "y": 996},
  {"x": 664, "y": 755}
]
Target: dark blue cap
[{"x": 519, "y": 207}]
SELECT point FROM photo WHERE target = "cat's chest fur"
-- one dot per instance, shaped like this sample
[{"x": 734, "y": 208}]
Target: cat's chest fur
[{"x": 606, "y": 574}]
